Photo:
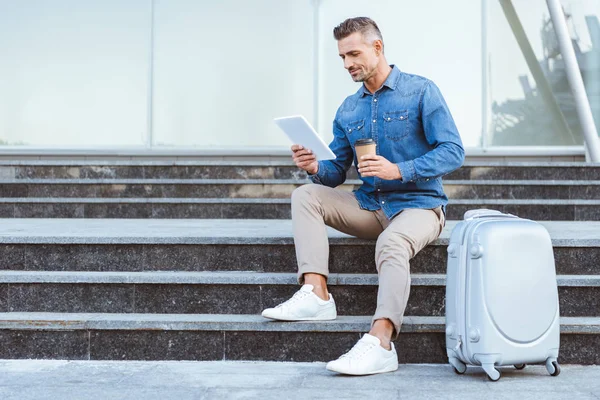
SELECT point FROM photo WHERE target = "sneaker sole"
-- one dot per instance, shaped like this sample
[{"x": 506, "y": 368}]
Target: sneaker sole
[
  {"x": 381, "y": 371},
  {"x": 302, "y": 319}
]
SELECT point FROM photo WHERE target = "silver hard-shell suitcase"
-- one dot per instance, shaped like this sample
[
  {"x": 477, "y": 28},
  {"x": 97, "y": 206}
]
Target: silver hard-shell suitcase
[{"x": 501, "y": 294}]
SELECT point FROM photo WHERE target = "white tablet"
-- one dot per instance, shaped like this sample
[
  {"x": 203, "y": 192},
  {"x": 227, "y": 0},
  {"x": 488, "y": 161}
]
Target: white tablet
[{"x": 299, "y": 131}]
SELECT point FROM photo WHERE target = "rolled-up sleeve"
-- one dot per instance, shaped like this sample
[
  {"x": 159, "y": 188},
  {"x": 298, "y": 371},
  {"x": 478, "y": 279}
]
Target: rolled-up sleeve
[{"x": 447, "y": 152}]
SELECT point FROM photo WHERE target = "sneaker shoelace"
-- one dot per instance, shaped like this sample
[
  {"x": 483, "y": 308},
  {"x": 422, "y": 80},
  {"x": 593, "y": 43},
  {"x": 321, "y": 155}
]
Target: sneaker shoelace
[
  {"x": 359, "y": 350},
  {"x": 295, "y": 298}
]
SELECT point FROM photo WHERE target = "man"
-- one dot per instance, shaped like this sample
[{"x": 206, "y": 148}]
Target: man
[{"x": 401, "y": 201}]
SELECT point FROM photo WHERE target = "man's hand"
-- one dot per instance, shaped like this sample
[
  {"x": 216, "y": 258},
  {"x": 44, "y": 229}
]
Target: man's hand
[
  {"x": 373, "y": 165},
  {"x": 305, "y": 159}
]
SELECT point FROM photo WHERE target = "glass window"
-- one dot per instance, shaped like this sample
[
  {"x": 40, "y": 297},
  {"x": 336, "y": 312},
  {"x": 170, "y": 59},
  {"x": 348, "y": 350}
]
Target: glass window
[
  {"x": 421, "y": 37},
  {"x": 74, "y": 73},
  {"x": 221, "y": 76},
  {"x": 531, "y": 102}
]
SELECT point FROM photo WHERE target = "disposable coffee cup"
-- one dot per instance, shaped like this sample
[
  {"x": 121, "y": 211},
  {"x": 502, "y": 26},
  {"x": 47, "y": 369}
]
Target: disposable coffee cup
[{"x": 364, "y": 147}]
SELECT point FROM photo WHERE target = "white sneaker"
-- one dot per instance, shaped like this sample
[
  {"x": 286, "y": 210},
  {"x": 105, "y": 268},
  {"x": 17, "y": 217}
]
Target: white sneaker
[
  {"x": 365, "y": 358},
  {"x": 305, "y": 305}
]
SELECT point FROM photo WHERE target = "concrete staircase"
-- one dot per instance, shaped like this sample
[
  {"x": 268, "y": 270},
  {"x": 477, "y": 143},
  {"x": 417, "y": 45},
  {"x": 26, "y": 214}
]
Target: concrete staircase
[{"x": 134, "y": 280}]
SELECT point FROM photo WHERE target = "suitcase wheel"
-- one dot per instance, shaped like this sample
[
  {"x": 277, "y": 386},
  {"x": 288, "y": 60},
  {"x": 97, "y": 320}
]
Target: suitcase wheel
[
  {"x": 458, "y": 366},
  {"x": 459, "y": 372},
  {"x": 520, "y": 366},
  {"x": 492, "y": 373},
  {"x": 494, "y": 377},
  {"x": 553, "y": 367}
]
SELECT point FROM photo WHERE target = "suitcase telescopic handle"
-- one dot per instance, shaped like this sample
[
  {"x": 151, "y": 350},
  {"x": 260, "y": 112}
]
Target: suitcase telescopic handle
[{"x": 485, "y": 213}]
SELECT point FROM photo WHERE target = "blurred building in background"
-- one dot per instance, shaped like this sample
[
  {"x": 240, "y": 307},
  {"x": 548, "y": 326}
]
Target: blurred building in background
[{"x": 194, "y": 75}]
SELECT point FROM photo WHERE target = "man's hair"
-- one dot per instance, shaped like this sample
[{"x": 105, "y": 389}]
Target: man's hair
[{"x": 366, "y": 26}]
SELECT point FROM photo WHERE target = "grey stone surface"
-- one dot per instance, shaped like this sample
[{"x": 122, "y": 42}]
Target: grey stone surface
[
  {"x": 41, "y": 344},
  {"x": 49, "y": 210},
  {"x": 540, "y": 210},
  {"x": 283, "y": 169},
  {"x": 579, "y": 349},
  {"x": 526, "y": 171},
  {"x": 13, "y": 189},
  {"x": 8, "y": 172},
  {"x": 181, "y": 298},
  {"x": 229, "y": 278},
  {"x": 211, "y": 257},
  {"x": 111, "y": 210},
  {"x": 12, "y": 257},
  {"x": 67, "y": 257},
  {"x": 513, "y": 190},
  {"x": 59, "y": 190},
  {"x": 71, "y": 298},
  {"x": 110, "y": 172},
  {"x": 537, "y": 212},
  {"x": 69, "y": 380},
  {"x": 225, "y": 209},
  {"x": 237, "y": 322},
  {"x": 48, "y": 171},
  {"x": 251, "y": 208},
  {"x": 280, "y": 188},
  {"x": 215, "y": 231},
  {"x": 7, "y": 210},
  {"x": 420, "y": 348},
  {"x": 579, "y": 301},
  {"x": 576, "y": 260},
  {"x": 288, "y": 346},
  {"x": 344, "y": 258},
  {"x": 4, "y": 298},
  {"x": 156, "y": 345},
  {"x": 587, "y": 213},
  {"x": 197, "y": 299}
]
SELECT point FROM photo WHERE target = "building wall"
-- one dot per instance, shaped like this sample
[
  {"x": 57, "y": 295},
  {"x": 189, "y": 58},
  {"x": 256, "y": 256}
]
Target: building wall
[{"x": 213, "y": 74}]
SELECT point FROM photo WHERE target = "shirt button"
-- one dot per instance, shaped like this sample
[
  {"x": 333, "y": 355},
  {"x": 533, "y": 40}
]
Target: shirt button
[
  {"x": 374, "y": 120},
  {"x": 383, "y": 202},
  {"x": 379, "y": 190},
  {"x": 375, "y": 100}
]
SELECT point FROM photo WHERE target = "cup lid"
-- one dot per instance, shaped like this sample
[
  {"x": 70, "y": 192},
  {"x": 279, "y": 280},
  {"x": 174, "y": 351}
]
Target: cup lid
[{"x": 362, "y": 142}]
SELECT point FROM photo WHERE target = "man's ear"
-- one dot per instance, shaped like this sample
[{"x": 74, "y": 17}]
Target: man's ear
[{"x": 378, "y": 45}]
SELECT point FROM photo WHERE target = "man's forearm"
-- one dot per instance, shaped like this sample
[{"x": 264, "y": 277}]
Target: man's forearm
[{"x": 440, "y": 161}]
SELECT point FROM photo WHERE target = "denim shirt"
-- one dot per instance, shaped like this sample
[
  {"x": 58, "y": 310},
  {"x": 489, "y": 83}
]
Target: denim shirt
[{"x": 412, "y": 126}]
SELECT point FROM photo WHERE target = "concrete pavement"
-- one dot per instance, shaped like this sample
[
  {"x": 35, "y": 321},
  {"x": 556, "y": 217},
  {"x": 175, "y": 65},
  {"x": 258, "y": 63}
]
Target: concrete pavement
[{"x": 65, "y": 380}]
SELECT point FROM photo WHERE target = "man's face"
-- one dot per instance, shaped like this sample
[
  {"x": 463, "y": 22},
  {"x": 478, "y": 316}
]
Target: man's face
[{"x": 359, "y": 57}]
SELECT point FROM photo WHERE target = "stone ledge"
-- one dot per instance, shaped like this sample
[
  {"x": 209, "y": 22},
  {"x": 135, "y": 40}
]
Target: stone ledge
[
  {"x": 279, "y": 182},
  {"x": 226, "y": 322},
  {"x": 238, "y": 278},
  {"x": 250, "y": 200},
  {"x": 232, "y": 231},
  {"x": 258, "y": 163}
]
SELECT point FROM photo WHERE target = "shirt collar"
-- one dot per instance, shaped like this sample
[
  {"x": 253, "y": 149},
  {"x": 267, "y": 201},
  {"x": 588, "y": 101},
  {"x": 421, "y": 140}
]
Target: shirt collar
[{"x": 391, "y": 81}]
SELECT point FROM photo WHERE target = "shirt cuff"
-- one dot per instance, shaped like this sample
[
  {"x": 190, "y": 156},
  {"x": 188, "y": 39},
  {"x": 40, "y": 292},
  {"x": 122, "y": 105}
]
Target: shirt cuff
[
  {"x": 316, "y": 178},
  {"x": 407, "y": 170}
]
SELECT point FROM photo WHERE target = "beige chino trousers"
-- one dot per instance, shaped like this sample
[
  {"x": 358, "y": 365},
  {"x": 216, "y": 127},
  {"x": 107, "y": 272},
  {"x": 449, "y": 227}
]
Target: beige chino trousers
[{"x": 316, "y": 206}]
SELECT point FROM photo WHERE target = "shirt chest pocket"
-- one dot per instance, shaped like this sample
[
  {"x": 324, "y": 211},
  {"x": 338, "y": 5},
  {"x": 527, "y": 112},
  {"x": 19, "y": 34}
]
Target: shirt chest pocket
[
  {"x": 395, "y": 125},
  {"x": 355, "y": 130}
]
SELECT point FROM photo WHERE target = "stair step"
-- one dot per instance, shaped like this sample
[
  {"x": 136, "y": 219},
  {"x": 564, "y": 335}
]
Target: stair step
[
  {"x": 237, "y": 337},
  {"x": 255, "y": 245},
  {"x": 270, "y": 169},
  {"x": 279, "y": 188},
  {"x": 260, "y": 208},
  {"x": 235, "y": 292}
]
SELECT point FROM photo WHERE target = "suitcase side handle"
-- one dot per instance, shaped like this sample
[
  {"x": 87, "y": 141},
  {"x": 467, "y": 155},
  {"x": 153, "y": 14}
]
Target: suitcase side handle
[{"x": 486, "y": 213}]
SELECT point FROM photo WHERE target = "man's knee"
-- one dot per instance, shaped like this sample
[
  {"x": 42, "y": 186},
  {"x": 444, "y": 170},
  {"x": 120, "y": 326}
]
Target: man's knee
[
  {"x": 392, "y": 245},
  {"x": 305, "y": 194}
]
